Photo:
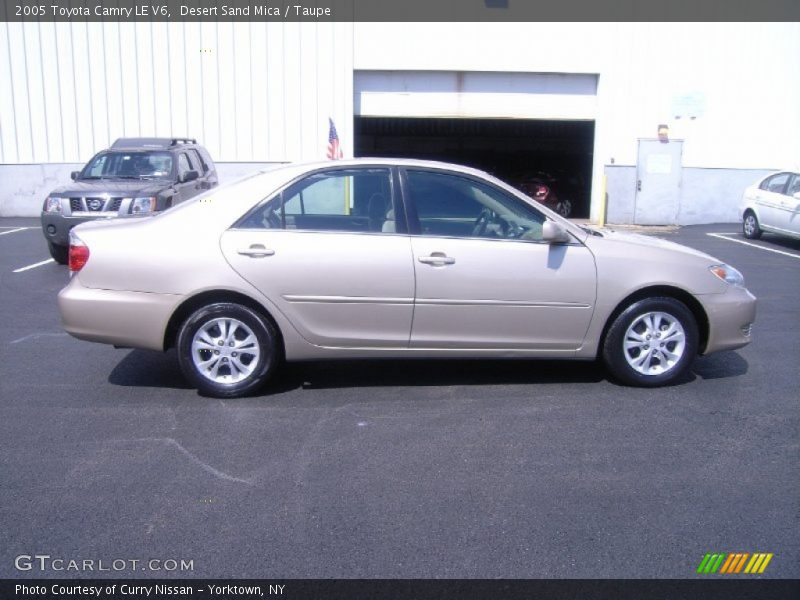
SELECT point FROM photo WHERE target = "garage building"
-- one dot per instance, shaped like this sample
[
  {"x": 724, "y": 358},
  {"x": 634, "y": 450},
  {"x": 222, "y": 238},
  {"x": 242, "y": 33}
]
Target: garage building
[{"x": 582, "y": 101}]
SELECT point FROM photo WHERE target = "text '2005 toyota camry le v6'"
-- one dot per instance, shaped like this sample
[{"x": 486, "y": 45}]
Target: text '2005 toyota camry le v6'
[{"x": 393, "y": 258}]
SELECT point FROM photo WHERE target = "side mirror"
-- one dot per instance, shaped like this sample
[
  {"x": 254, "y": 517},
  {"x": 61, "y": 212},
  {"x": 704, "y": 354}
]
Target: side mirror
[
  {"x": 189, "y": 176},
  {"x": 75, "y": 175},
  {"x": 554, "y": 233}
]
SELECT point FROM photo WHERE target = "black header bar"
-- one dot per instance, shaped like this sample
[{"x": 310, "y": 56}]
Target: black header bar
[
  {"x": 401, "y": 10},
  {"x": 716, "y": 588}
]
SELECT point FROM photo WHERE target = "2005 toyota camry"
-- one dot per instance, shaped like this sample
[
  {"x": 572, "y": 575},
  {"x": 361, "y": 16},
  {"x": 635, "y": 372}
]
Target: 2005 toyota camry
[{"x": 393, "y": 258}]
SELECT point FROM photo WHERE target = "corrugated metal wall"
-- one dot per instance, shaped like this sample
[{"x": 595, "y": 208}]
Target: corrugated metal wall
[{"x": 70, "y": 89}]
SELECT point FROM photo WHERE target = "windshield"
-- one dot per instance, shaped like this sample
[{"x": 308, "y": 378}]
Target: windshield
[{"x": 129, "y": 165}]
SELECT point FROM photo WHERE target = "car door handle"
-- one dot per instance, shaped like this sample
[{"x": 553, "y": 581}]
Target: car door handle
[
  {"x": 437, "y": 258},
  {"x": 256, "y": 251}
]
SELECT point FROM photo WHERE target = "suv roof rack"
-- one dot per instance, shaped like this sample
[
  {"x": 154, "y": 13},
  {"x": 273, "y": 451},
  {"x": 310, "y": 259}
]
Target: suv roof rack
[{"x": 152, "y": 142}]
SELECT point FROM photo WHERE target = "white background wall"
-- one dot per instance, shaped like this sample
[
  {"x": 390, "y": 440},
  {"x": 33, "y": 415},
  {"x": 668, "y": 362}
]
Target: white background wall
[
  {"x": 747, "y": 72},
  {"x": 247, "y": 91}
]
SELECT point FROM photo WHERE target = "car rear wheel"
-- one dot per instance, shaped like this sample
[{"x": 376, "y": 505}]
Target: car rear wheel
[
  {"x": 227, "y": 350},
  {"x": 750, "y": 226},
  {"x": 60, "y": 254},
  {"x": 651, "y": 343}
]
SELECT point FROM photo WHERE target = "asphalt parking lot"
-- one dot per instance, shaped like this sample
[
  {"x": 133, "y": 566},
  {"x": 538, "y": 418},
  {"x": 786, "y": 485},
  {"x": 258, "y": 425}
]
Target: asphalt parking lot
[{"x": 398, "y": 469}]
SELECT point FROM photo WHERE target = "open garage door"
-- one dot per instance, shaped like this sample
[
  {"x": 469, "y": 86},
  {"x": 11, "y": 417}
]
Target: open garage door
[{"x": 528, "y": 129}]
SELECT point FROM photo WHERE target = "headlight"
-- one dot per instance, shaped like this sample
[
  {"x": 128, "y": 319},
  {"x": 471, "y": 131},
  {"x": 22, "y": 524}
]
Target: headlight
[
  {"x": 141, "y": 206},
  {"x": 728, "y": 274},
  {"x": 52, "y": 205}
]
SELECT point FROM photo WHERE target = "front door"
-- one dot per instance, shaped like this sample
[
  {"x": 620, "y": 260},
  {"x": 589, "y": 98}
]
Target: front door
[
  {"x": 485, "y": 279},
  {"x": 658, "y": 182}
]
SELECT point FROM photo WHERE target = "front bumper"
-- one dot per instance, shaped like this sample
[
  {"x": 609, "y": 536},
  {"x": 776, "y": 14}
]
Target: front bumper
[
  {"x": 121, "y": 318},
  {"x": 56, "y": 226},
  {"x": 730, "y": 318}
]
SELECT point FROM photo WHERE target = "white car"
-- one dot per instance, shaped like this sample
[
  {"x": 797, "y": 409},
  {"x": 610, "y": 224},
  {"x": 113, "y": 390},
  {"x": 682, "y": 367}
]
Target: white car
[{"x": 772, "y": 204}]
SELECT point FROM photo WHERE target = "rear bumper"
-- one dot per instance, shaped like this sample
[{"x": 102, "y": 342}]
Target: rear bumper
[
  {"x": 730, "y": 317},
  {"x": 121, "y": 318}
]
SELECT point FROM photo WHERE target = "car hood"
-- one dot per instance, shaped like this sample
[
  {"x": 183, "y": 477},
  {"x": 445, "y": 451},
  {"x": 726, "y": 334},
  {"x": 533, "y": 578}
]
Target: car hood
[
  {"x": 111, "y": 187},
  {"x": 648, "y": 241}
]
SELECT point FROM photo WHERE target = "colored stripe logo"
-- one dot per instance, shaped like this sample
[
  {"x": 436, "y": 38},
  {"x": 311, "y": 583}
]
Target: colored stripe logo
[{"x": 734, "y": 562}]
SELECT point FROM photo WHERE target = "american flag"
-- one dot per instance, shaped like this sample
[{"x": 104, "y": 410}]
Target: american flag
[{"x": 334, "y": 150}]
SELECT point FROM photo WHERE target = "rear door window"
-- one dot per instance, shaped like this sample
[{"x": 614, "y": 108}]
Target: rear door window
[
  {"x": 794, "y": 185},
  {"x": 347, "y": 200},
  {"x": 197, "y": 162},
  {"x": 776, "y": 183},
  {"x": 184, "y": 165}
]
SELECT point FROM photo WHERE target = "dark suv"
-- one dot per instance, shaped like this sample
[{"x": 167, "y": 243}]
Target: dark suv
[{"x": 135, "y": 177}]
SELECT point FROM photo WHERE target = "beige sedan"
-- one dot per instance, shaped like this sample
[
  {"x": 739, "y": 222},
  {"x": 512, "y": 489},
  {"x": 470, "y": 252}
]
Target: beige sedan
[{"x": 393, "y": 258}]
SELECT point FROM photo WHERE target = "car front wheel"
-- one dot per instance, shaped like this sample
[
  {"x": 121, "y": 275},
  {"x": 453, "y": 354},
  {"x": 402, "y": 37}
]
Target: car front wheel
[
  {"x": 651, "y": 343},
  {"x": 60, "y": 254},
  {"x": 750, "y": 226},
  {"x": 227, "y": 350}
]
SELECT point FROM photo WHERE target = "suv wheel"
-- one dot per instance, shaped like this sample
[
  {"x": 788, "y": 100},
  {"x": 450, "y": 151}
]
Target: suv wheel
[
  {"x": 60, "y": 254},
  {"x": 652, "y": 343},
  {"x": 750, "y": 226},
  {"x": 227, "y": 350}
]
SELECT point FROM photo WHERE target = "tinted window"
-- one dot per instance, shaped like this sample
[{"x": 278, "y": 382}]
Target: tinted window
[
  {"x": 197, "y": 162},
  {"x": 342, "y": 200},
  {"x": 95, "y": 169},
  {"x": 794, "y": 186},
  {"x": 206, "y": 158},
  {"x": 183, "y": 164},
  {"x": 129, "y": 165},
  {"x": 776, "y": 183},
  {"x": 453, "y": 206}
]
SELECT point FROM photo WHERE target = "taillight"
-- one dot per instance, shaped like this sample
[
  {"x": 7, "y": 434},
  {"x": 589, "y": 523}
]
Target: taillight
[
  {"x": 78, "y": 253},
  {"x": 541, "y": 191}
]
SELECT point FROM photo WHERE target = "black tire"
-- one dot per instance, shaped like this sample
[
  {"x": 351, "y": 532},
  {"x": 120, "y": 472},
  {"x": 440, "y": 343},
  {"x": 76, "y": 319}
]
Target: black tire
[
  {"x": 616, "y": 357},
  {"x": 750, "y": 226},
  {"x": 60, "y": 254},
  {"x": 267, "y": 362}
]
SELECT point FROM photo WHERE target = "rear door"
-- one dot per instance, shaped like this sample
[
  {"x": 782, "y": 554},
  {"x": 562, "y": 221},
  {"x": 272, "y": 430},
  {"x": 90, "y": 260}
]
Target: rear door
[
  {"x": 789, "y": 212},
  {"x": 485, "y": 278},
  {"x": 769, "y": 199},
  {"x": 329, "y": 252}
]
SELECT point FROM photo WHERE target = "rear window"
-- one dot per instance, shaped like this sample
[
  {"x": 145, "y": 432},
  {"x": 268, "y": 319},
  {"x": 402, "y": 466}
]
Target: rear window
[{"x": 776, "y": 183}]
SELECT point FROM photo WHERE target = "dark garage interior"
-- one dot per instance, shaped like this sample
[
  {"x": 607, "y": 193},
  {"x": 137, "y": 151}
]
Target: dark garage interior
[{"x": 558, "y": 153}]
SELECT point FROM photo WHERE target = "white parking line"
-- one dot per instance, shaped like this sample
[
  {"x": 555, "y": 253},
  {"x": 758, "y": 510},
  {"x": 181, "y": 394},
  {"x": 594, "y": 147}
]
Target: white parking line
[
  {"x": 15, "y": 230},
  {"x": 724, "y": 236},
  {"x": 33, "y": 336},
  {"x": 33, "y": 266}
]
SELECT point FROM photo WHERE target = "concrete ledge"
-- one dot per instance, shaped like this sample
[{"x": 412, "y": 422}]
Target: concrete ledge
[{"x": 706, "y": 195}]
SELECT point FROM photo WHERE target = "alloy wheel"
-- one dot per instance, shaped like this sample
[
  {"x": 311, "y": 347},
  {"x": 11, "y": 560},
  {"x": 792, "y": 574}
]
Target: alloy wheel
[
  {"x": 654, "y": 343},
  {"x": 225, "y": 350}
]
